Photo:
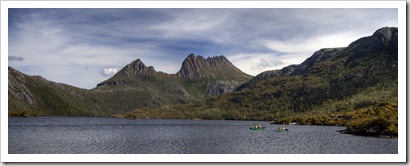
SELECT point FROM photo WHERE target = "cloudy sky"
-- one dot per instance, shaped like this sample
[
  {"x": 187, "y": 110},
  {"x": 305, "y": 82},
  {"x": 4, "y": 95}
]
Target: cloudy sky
[{"x": 83, "y": 47}]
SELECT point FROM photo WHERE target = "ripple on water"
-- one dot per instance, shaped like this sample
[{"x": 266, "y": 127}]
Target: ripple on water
[{"x": 149, "y": 136}]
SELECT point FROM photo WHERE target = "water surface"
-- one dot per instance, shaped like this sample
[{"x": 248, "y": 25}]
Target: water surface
[{"x": 87, "y": 135}]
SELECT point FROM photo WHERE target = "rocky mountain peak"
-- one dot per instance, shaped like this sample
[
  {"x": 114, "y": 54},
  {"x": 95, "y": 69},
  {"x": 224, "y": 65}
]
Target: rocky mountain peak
[
  {"x": 17, "y": 87},
  {"x": 193, "y": 67},
  {"x": 382, "y": 39},
  {"x": 386, "y": 34},
  {"x": 217, "y": 59},
  {"x": 137, "y": 67},
  {"x": 197, "y": 67}
]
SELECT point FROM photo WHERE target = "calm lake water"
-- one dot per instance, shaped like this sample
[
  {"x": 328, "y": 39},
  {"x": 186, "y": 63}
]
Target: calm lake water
[{"x": 86, "y": 135}]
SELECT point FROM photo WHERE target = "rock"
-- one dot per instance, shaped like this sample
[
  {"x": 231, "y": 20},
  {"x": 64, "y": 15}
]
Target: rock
[
  {"x": 16, "y": 87},
  {"x": 385, "y": 35},
  {"x": 219, "y": 67},
  {"x": 221, "y": 87},
  {"x": 137, "y": 67}
]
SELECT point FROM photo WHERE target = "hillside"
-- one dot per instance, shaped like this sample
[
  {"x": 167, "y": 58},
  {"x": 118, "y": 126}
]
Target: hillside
[
  {"x": 36, "y": 96},
  {"x": 334, "y": 86}
]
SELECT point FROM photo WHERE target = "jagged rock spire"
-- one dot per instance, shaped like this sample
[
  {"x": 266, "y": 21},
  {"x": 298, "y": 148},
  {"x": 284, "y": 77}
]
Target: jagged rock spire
[
  {"x": 197, "y": 67},
  {"x": 137, "y": 67}
]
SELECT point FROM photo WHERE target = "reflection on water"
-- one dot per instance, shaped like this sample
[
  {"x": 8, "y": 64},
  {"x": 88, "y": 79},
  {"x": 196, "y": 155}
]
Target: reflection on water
[{"x": 70, "y": 135}]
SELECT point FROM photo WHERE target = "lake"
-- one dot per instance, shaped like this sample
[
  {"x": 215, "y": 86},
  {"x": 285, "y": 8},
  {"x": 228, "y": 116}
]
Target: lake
[{"x": 90, "y": 135}]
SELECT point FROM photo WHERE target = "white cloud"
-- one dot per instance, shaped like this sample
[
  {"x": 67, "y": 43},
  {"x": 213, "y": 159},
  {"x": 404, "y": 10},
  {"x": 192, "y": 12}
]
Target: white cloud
[
  {"x": 255, "y": 63},
  {"x": 266, "y": 64},
  {"x": 195, "y": 24},
  {"x": 313, "y": 43},
  {"x": 108, "y": 72}
]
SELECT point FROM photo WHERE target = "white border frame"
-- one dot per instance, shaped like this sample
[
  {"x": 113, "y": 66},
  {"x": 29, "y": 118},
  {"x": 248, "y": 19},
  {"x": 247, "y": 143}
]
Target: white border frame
[{"x": 400, "y": 157}]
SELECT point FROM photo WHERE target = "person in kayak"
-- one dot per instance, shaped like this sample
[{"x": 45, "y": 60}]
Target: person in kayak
[{"x": 256, "y": 126}]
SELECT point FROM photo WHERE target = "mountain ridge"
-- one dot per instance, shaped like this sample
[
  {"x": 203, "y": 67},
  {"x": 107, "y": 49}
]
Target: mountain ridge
[
  {"x": 194, "y": 68},
  {"x": 197, "y": 67}
]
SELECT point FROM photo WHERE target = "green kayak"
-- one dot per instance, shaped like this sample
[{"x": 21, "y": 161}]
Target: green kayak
[
  {"x": 253, "y": 128},
  {"x": 280, "y": 130}
]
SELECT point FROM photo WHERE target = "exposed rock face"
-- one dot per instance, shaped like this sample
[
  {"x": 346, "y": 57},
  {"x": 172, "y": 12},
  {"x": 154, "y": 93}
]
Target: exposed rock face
[
  {"x": 386, "y": 35},
  {"x": 221, "y": 87},
  {"x": 214, "y": 75},
  {"x": 193, "y": 67},
  {"x": 197, "y": 68},
  {"x": 17, "y": 88},
  {"x": 384, "y": 39},
  {"x": 137, "y": 67},
  {"x": 218, "y": 73}
]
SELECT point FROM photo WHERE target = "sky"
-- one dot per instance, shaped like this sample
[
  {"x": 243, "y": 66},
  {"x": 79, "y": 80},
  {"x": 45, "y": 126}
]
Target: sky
[{"x": 83, "y": 47}]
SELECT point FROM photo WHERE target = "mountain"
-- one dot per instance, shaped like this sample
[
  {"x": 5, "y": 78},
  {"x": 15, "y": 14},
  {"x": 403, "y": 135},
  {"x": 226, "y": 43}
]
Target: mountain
[
  {"x": 139, "y": 86},
  {"x": 353, "y": 86},
  {"x": 213, "y": 76},
  {"x": 198, "y": 68},
  {"x": 135, "y": 86}
]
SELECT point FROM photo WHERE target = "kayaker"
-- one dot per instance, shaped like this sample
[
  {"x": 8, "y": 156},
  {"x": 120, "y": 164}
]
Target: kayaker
[{"x": 257, "y": 126}]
